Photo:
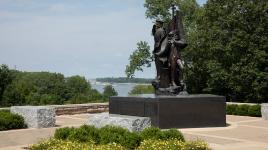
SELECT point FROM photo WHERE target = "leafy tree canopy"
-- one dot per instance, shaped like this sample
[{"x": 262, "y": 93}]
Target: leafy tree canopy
[
  {"x": 139, "y": 58},
  {"x": 41, "y": 88},
  {"x": 229, "y": 52},
  {"x": 5, "y": 79}
]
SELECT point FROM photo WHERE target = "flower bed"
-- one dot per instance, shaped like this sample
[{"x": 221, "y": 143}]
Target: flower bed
[{"x": 117, "y": 138}]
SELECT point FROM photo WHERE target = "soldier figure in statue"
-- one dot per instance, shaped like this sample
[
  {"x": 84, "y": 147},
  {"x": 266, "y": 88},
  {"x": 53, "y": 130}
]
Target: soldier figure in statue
[
  {"x": 158, "y": 32},
  {"x": 169, "y": 42}
]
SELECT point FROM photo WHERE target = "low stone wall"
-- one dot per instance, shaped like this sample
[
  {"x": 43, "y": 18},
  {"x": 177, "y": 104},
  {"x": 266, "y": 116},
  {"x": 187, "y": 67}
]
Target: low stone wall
[
  {"x": 72, "y": 109},
  {"x": 5, "y": 108},
  {"x": 236, "y": 103}
]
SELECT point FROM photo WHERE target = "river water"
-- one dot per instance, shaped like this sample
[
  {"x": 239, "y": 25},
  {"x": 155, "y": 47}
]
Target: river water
[{"x": 121, "y": 88}]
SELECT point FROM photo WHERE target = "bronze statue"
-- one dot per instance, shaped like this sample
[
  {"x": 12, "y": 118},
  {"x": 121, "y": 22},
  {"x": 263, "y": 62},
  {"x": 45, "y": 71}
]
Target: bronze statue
[{"x": 169, "y": 42}]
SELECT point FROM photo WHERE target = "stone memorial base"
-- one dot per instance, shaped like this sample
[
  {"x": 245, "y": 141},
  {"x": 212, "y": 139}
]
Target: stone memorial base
[
  {"x": 132, "y": 123},
  {"x": 36, "y": 116},
  {"x": 182, "y": 111},
  {"x": 264, "y": 111}
]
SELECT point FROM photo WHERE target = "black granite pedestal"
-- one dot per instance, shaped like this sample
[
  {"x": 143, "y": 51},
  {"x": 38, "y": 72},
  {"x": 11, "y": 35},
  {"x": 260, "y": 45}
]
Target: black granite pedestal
[{"x": 180, "y": 111}]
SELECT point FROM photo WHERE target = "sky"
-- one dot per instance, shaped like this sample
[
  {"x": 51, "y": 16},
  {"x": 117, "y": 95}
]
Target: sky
[{"x": 91, "y": 38}]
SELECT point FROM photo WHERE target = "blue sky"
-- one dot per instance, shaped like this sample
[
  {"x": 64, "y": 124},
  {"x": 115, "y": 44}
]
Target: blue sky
[{"x": 75, "y": 37}]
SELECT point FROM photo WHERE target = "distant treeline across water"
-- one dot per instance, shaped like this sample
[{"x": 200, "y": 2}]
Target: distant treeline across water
[{"x": 124, "y": 80}]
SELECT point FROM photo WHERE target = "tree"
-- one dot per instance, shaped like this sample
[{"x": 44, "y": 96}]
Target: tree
[
  {"x": 95, "y": 95},
  {"x": 42, "y": 88},
  {"x": 5, "y": 79},
  {"x": 228, "y": 42},
  {"x": 159, "y": 9},
  {"x": 139, "y": 58},
  {"x": 77, "y": 85},
  {"x": 13, "y": 96},
  {"x": 109, "y": 91},
  {"x": 229, "y": 53},
  {"x": 36, "y": 88}
]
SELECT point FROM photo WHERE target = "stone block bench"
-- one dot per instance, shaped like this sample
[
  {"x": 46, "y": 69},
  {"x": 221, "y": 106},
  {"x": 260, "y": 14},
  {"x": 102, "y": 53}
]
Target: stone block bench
[
  {"x": 36, "y": 116},
  {"x": 264, "y": 111},
  {"x": 132, "y": 123}
]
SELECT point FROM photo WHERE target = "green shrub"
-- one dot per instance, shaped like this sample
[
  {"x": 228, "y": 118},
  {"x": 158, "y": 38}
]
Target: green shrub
[
  {"x": 110, "y": 134},
  {"x": 243, "y": 110},
  {"x": 156, "y": 133},
  {"x": 10, "y": 121},
  {"x": 151, "y": 133},
  {"x": 131, "y": 140},
  {"x": 105, "y": 135},
  {"x": 172, "y": 134},
  {"x": 85, "y": 134},
  {"x": 113, "y": 134},
  {"x": 254, "y": 111},
  {"x": 63, "y": 133},
  {"x": 231, "y": 109},
  {"x": 92, "y": 131},
  {"x": 108, "y": 91}
]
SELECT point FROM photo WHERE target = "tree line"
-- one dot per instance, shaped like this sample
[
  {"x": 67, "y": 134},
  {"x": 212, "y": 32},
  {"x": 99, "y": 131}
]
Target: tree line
[
  {"x": 227, "y": 47},
  {"x": 42, "y": 88}
]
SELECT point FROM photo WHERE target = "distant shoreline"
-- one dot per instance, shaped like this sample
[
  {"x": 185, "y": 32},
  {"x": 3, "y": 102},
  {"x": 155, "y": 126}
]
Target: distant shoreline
[{"x": 123, "y": 80}]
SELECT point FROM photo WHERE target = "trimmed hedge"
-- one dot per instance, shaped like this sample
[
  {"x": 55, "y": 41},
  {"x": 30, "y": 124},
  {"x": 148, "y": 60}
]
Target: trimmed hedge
[
  {"x": 10, "y": 121},
  {"x": 244, "y": 110},
  {"x": 113, "y": 134}
]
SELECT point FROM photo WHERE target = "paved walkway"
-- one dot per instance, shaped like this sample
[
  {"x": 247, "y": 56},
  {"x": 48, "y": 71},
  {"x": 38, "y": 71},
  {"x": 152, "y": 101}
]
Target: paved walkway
[{"x": 243, "y": 133}]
